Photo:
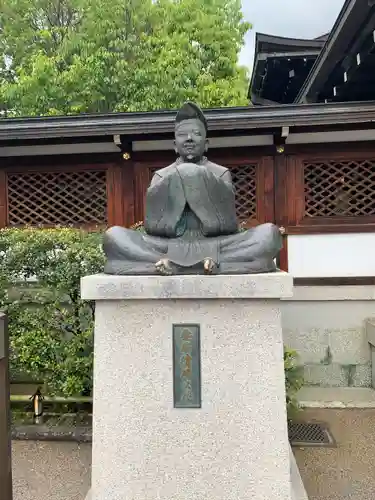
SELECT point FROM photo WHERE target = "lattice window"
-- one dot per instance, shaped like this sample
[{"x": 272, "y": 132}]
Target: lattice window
[
  {"x": 244, "y": 181},
  {"x": 339, "y": 188},
  {"x": 57, "y": 198}
]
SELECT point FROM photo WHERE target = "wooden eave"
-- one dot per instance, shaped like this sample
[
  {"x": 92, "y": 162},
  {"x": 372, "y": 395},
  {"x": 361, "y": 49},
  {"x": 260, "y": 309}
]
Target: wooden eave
[
  {"x": 279, "y": 76},
  {"x": 353, "y": 78},
  {"x": 347, "y": 32},
  {"x": 265, "y": 43},
  {"x": 219, "y": 121},
  {"x": 269, "y": 48}
]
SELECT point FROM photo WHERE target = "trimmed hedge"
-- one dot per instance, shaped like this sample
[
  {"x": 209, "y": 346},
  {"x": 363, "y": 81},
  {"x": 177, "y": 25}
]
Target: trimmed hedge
[{"x": 51, "y": 328}]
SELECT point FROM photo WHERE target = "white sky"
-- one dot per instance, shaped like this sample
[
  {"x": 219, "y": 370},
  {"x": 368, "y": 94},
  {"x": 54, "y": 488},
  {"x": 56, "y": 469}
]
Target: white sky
[{"x": 290, "y": 18}]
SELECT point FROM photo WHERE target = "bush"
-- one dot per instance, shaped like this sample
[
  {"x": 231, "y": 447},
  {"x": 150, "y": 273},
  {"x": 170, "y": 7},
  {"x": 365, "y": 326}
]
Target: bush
[
  {"x": 50, "y": 327},
  {"x": 293, "y": 379}
]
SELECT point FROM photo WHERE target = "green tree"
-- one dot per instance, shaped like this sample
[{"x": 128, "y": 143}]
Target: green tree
[{"x": 74, "y": 56}]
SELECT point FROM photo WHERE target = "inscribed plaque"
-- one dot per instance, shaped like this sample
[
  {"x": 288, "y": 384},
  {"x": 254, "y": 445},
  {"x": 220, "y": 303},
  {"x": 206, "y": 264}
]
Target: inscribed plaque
[{"x": 186, "y": 366}]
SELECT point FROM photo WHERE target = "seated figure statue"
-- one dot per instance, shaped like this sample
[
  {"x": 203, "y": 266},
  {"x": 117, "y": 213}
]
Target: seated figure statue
[{"x": 190, "y": 223}]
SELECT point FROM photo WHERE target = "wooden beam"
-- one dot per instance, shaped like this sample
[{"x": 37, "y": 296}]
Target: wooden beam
[
  {"x": 5, "y": 433},
  {"x": 219, "y": 120},
  {"x": 344, "y": 281},
  {"x": 335, "y": 227},
  {"x": 308, "y": 54}
]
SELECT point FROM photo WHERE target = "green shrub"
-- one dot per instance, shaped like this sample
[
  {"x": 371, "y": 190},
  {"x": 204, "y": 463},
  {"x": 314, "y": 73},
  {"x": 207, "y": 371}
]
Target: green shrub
[
  {"x": 293, "y": 379},
  {"x": 50, "y": 327}
]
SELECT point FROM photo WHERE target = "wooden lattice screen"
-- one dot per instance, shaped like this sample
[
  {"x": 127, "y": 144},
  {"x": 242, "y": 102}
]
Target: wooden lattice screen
[
  {"x": 57, "y": 198},
  {"x": 244, "y": 179},
  {"x": 339, "y": 188}
]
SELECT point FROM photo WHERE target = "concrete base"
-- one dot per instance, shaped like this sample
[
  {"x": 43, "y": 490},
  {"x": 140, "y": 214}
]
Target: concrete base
[
  {"x": 235, "y": 447},
  {"x": 298, "y": 489}
]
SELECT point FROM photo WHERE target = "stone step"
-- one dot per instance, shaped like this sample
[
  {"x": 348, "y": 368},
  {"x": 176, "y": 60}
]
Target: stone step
[{"x": 336, "y": 397}]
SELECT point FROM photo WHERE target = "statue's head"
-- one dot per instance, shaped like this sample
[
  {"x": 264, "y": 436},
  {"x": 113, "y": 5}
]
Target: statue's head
[{"x": 190, "y": 133}]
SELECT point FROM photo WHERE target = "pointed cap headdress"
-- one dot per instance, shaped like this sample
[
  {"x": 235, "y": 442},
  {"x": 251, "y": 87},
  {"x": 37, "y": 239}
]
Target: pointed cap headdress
[{"x": 188, "y": 111}]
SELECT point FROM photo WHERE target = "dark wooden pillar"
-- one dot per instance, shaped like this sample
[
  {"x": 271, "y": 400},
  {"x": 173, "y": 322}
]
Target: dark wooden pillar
[
  {"x": 120, "y": 194},
  {"x": 5, "y": 439},
  {"x": 3, "y": 199},
  {"x": 265, "y": 190},
  {"x": 281, "y": 204}
]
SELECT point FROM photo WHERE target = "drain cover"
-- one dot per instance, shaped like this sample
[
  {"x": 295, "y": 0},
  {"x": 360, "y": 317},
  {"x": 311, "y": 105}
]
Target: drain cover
[{"x": 309, "y": 434}]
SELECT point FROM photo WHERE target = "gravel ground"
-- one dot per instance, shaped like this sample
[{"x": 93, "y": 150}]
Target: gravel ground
[
  {"x": 348, "y": 471},
  {"x": 61, "y": 470},
  {"x": 50, "y": 470}
]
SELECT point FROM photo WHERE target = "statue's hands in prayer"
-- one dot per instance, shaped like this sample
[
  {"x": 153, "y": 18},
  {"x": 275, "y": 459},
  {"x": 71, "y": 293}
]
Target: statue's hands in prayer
[{"x": 189, "y": 169}]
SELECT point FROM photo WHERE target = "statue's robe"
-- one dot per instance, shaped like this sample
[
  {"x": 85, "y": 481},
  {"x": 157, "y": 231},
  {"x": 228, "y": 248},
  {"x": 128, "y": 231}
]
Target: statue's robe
[{"x": 190, "y": 216}]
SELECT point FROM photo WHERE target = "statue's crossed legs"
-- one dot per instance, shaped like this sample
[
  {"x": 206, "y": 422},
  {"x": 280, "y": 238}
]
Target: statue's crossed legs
[{"x": 133, "y": 252}]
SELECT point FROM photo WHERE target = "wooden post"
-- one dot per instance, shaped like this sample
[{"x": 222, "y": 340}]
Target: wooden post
[{"x": 5, "y": 439}]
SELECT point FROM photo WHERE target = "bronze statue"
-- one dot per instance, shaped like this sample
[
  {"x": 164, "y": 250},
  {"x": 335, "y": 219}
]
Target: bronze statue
[{"x": 190, "y": 223}]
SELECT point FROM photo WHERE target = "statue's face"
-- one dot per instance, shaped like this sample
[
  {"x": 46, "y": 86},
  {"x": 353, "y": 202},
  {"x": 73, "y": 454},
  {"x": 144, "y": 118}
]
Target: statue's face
[{"x": 190, "y": 139}]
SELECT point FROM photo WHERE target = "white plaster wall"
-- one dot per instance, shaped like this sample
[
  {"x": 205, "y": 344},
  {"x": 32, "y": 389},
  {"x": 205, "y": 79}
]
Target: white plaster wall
[{"x": 331, "y": 255}]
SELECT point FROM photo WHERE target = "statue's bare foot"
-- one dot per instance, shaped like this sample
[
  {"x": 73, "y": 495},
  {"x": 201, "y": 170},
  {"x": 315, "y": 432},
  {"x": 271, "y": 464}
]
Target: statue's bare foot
[
  {"x": 208, "y": 266},
  {"x": 163, "y": 266}
]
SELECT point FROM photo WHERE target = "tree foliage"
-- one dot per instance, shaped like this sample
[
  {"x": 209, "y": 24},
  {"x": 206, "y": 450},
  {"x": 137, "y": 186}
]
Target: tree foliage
[{"x": 74, "y": 56}]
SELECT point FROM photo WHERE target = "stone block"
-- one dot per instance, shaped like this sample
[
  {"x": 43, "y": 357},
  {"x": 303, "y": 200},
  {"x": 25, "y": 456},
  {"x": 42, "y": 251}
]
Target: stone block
[
  {"x": 370, "y": 331},
  {"x": 311, "y": 345},
  {"x": 349, "y": 345},
  {"x": 241, "y": 286},
  {"x": 338, "y": 375}
]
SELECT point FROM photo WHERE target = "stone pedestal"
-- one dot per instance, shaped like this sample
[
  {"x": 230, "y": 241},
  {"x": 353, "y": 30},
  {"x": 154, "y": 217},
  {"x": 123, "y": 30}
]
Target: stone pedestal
[{"x": 235, "y": 446}]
